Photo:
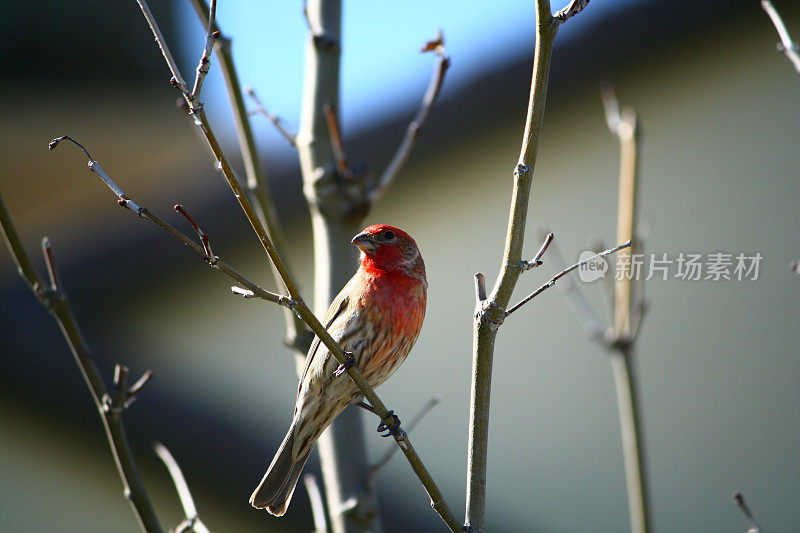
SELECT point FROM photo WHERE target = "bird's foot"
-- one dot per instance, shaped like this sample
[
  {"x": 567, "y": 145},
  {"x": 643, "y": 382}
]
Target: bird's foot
[
  {"x": 349, "y": 361},
  {"x": 394, "y": 430}
]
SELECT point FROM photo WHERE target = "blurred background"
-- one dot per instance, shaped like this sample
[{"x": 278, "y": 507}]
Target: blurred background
[{"x": 718, "y": 360}]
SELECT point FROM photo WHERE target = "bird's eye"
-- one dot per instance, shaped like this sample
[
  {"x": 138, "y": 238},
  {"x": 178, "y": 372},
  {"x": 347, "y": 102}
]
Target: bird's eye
[{"x": 388, "y": 235}]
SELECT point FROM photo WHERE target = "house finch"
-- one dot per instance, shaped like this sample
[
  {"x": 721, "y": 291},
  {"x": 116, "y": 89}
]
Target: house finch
[{"x": 375, "y": 319}]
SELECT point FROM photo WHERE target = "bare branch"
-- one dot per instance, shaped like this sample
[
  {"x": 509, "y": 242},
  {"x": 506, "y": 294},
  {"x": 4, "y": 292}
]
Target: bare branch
[
  {"x": 244, "y": 293},
  {"x": 625, "y": 300},
  {"x": 192, "y": 521},
  {"x": 297, "y": 336},
  {"x": 574, "y": 7},
  {"x": 205, "y": 59},
  {"x": 337, "y": 145},
  {"x": 415, "y": 127},
  {"x": 492, "y": 313},
  {"x": 739, "y": 499},
  {"x": 204, "y": 239},
  {"x": 177, "y": 79},
  {"x": 537, "y": 260},
  {"x": 213, "y": 261},
  {"x": 787, "y": 45},
  {"x": 52, "y": 271},
  {"x": 55, "y": 301},
  {"x": 577, "y": 301},
  {"x": 223, "y": 165},
  {"x": 317, "y": 506},
  {"x": 563, "y": 273},
  {"x": 276, "y": 120},
  {"x": 299, "y": 306},
  {"x": 480, "y": 288},
  {"x": 621, "y": 124}
]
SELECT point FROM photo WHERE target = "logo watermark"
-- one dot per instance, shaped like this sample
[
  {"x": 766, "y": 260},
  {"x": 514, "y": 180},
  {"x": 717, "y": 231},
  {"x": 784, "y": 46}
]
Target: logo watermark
[{"x": 684, "y": 266}]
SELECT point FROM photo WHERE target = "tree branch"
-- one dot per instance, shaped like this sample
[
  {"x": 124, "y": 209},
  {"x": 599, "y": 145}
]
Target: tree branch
[
  {"x": 415, "y": 127},
  {"x": 625, "y": 127},
  {"x": 739, "y": 499},
  {"x": 199, "y": 116},
  {"x": 297, "y": 304},
  {"x": 110, "y": 406},
  {"x": 192, "y": 521},
  {"x": 491, "y": 313},
  {"x": 276, "y": 120},
  {"x": 297, "y": 335},
  {"x": 205, "y": 60},
  {"x": 337, "y": 145},
  {"x": 787, "y": 45},
  {"x": 563, "y": 273},
  {"x": 317, "y": 506},
  {"x": 142, "y": 212},
  {"x": 577, "y": 301}
]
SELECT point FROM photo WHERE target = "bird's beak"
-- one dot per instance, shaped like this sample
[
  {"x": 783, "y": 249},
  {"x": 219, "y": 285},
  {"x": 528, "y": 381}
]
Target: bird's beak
[{"x": 365, "y": 242}]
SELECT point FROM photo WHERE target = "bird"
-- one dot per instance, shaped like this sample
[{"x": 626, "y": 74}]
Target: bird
[{"x": 376, "y": 319}]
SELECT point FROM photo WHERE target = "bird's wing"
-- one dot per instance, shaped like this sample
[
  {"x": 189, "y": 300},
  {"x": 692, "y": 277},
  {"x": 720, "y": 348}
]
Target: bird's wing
[{"x": 339, "y": 304}]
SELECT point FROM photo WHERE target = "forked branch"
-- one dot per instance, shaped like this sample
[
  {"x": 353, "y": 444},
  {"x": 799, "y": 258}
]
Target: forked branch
[
  {"x": 563, "y": 273},
  {"x": 204, "y": 251},
  {"x": 192, "y": 521},
  {"x": 415, "y": 127},
  {"x": 110, "y": 405}
]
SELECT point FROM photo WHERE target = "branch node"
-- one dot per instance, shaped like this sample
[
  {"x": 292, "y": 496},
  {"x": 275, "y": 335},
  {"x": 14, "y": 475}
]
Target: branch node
[
  {"x": 55, "y": 142},
  {"x": 325, "y": 41},
  {"x": 492, "y": 313},
  {"x": 522, "y": 171},
  {"x": 563, "y": 273},
  {"x": 204, "y": 239},
  {"x": 574, "y": 7},
  {"x": 244, "y": 293},
  {"x": 537, "y": 260}
]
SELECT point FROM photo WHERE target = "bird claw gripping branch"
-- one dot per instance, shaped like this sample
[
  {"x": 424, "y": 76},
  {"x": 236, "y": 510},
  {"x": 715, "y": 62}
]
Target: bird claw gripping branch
[
  {"x": 390, "y": 431},
  {"x": 348, "y": 363}
]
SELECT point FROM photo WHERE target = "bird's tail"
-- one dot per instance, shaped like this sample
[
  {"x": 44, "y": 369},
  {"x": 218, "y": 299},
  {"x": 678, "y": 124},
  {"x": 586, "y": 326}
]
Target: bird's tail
[{"x": 277, "y": 486}]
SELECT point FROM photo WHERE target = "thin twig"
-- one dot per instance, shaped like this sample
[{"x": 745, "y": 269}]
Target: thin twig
[
  {"x": 787, "y": 45},
  {"x": 305, "y": 314},
  {"x": 204, "y": 238},
  {"x": 213, "y": 261},
  {"x": 201, "y": 120},
  {"x": 563, "y": 273},
  {"x": 574, "y": 7},
  {"x": 275, "y": 119},
  {"x": 110, "y": 409},
  {"x": 317, "y": 506},
  {"x": 177, "y": 79},
  {"x": 297, "y": 336},
  {"x": 480, "y": 287},
  {"x": 492, "y": 312},
  {"x": 205, "y": 60},
  {"x": 332, "y": 119},
  {"x": 577, "y": 301},
  {"x": 415, "y": 127},
  {"x": 415, "y": 420},
  {"x": 52, "y": 271},
  {"x": 537, "y": 259},
  {"x": 739, "y": 499},
  {"x": 192, "y": 521}
]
